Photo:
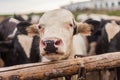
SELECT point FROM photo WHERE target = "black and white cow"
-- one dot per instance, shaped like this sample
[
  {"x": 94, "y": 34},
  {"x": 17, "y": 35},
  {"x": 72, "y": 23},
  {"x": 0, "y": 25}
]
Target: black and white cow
[
  {"x": 95, "y": 33},
  {"x": 26, "y": 43},
  {"x": 7, "y": 33},
  {"x": 103, "y": 40},
  {"x": 8, "y": 26},
  {"x": 109, "y": 42},
  {"x": 24, "y": 47}
]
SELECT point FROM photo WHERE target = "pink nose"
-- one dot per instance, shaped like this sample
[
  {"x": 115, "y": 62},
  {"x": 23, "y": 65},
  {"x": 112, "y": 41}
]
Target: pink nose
[{"x": 51, "y": 45}]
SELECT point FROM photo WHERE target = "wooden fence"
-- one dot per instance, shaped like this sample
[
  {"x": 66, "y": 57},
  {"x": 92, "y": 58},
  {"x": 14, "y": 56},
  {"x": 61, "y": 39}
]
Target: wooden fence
[{"x": 61, "y": 68}]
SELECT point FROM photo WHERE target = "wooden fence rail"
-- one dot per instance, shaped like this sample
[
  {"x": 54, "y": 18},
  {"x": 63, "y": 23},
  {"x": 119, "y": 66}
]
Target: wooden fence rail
[{"x": 55, "y": 69}]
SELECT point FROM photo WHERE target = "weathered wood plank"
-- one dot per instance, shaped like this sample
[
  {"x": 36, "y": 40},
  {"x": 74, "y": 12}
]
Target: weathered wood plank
[{"x": 59, "y": 68}]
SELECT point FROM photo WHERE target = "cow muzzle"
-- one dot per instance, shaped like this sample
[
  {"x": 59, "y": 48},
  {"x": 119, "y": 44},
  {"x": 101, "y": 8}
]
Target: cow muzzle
[{"x": 51, "y": 45}]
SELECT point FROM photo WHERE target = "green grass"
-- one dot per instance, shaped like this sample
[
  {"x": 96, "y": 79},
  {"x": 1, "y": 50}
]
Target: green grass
[
  {"x": 116, "y": 13},
  {"x": 76, "y": 13},
  {"x": 108, "y": 12}
]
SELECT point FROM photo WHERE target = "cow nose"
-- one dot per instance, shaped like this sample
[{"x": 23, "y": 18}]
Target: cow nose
[{"x": 51, "y": 45}]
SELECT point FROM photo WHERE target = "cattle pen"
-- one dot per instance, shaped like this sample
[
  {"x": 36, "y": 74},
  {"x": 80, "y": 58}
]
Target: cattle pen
[{"x": 61, "y": 68}]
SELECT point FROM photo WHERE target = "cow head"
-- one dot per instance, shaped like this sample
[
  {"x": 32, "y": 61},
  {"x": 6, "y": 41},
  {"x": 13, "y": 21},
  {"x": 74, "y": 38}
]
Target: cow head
[{"x": 57, "y": 28}]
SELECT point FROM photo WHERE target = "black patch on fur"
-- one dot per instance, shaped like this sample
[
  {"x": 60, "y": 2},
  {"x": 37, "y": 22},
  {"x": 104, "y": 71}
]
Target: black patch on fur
[
  {"x": 22, "y": 27},
  {"x": 19, "y": 51},
  {"x": 35, "y": 51},
  {"x": 75, "y": 28},
  {"x": 20, "y": 18},
  {"x": 102, "y": 43},
  {"x": 8, "y": 56},
  {"x": 6, "y": 52}
]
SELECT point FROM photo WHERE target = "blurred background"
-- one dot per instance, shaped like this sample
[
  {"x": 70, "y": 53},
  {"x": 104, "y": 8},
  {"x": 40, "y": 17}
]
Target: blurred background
[{"x": 35, "y": 8}]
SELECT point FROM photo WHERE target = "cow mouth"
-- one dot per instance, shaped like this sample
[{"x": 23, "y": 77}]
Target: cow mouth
[
  {"x": 53, "y": 53},
  {"x": 54, "y": 56}
]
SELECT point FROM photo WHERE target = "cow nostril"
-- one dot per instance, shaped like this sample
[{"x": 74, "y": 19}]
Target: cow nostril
[
  {"x": 43, "y": 43},
  {"x": 58, "y": 42},
  {"x": 47, "y": 43}
]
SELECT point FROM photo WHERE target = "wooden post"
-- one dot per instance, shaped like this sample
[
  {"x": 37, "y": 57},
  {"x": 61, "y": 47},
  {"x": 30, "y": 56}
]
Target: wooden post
[{"x": 61, "y": 68}]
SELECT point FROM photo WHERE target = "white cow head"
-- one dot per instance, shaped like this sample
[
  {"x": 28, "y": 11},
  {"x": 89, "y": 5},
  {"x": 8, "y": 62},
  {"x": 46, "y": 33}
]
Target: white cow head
[{"x": 57, "y": 28}]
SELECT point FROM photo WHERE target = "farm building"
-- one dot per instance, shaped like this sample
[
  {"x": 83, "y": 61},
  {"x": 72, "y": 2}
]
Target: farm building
[{"x": 95, "y": 4}]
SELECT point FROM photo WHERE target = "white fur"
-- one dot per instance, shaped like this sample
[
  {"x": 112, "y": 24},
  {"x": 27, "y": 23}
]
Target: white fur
[
  {"x": 26, "y": 43},
  {"x": 79, "y": 46},
  {"x": 112, "y": 29},
  {"x": 13, "y": 34},
  {"x": 35, "y": 19},
  {"x": 45, "y": 59},
  {"x": 13, "y": 20},
  {"x": 25, "y": 17}
]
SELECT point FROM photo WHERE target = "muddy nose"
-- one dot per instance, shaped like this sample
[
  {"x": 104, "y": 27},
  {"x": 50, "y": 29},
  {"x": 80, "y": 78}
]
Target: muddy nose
[{"x": 51, "y": 45}]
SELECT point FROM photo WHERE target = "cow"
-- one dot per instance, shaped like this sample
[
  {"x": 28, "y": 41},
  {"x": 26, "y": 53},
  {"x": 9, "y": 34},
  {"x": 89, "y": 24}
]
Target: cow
[
  {"x": 109, "y": 42},
  {"x": 114, "y": 47},
  {"x": 24, "y": 47},
  {"x": 100, "y": 43},
  {"x": 8, "y": 29},
  {"x": 26, "y": 43},
  {"x": 7, "y": 32},
  {"x": 96, "y": 31},
  {"x": 59, "y": 36},
  {"x": 8, "y": 26}
]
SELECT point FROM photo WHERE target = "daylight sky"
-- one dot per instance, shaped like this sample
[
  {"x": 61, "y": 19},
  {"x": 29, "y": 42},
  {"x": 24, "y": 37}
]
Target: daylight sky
[{"x": 27, "y": 6}]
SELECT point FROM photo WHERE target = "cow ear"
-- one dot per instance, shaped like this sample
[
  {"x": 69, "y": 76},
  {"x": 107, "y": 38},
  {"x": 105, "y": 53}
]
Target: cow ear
[
  {"x": 84, "y": 28},
  {"x": 92, "y": 22},
  {"x": 22, "y": 26}
]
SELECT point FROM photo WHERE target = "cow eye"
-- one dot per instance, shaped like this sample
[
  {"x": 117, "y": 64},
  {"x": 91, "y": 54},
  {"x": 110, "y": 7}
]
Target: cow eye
[
  {"x": 39, "y": 27},
  {"x": 70, "y": 25}
]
